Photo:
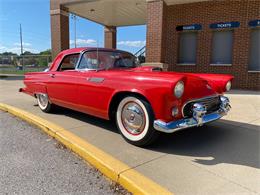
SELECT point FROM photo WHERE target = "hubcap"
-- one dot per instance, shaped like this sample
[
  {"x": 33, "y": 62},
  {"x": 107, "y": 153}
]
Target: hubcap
[
  {"x": 43, "y": 100},
  {"x": 133, "y": 118}
]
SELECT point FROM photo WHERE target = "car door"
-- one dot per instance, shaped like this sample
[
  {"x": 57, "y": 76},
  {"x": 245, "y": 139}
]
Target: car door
[
  {"x": 62, "y": 87},
  {"x": 94, "y": 91}
]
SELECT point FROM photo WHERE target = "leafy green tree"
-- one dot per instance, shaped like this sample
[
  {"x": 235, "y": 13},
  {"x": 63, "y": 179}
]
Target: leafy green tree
[{"x": 45, "y": 58}]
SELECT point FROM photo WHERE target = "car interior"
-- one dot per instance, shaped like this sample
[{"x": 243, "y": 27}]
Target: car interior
[{"x": 69, "y": 62}]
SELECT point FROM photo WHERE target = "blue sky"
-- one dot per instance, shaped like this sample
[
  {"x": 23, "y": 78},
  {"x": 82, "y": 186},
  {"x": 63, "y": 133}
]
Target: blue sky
[{"x": 35, "y": 19}]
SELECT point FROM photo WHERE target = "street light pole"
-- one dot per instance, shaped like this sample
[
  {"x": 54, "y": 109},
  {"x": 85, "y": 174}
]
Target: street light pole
[{"x": 21, "y": 40}]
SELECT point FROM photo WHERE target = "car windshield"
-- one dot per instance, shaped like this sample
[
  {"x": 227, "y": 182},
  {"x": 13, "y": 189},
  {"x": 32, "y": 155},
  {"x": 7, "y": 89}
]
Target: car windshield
[{"x": 100, "y": 60}]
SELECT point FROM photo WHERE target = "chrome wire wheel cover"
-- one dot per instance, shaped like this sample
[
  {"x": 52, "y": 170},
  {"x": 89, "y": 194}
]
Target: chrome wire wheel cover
[
  {"x": 133, "y": 118},
  {"x": 43, "y": 100}
]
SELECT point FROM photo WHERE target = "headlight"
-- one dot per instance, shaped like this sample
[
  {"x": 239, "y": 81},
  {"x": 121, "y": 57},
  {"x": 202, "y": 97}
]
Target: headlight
[
  {"x": 228, "y": 86},
  {"x": 179, "y": 89}
]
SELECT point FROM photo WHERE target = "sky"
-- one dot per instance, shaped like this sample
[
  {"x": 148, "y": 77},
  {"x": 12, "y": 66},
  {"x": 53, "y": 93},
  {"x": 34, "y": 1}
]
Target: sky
[{"x": 34, "y": 17}]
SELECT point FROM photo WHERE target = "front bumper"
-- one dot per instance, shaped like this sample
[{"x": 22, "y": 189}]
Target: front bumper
[{"x": 198, "y": 119}]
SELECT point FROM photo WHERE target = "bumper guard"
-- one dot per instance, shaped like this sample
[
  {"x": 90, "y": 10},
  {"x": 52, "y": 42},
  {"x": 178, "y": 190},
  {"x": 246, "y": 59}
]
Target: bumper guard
[{"x": 198, "y": 119}]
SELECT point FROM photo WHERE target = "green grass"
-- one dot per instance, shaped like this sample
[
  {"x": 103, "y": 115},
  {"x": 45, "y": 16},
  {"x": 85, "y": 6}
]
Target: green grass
[{"x": 20, "y": 72}]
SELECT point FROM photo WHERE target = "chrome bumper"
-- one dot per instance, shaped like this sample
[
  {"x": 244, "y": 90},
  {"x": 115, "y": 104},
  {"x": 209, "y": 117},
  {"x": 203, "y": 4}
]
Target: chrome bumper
[{"x": 198, "y": 119}]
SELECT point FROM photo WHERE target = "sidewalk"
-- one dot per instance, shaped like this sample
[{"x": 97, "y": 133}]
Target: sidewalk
[{"x": 222, "y": 157}]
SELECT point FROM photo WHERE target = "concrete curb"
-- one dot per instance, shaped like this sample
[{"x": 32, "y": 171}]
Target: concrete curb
[{"x": 114, "y": 169}]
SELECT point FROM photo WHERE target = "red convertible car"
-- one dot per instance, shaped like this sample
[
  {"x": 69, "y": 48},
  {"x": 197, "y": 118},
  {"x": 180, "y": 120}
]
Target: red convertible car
[{"x": 144, "y": 101}]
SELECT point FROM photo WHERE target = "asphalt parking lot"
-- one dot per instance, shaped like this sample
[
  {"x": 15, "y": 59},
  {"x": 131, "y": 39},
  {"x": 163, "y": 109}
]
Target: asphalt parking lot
[
  {"x": 220, "y": 158},
  {"x": 33, "y": 163}
]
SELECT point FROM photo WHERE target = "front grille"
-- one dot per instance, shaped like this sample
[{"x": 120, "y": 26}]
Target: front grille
[{"x": 212, "y": 104}]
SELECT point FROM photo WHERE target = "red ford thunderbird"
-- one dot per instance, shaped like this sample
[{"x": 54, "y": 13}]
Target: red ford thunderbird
[{"x": 144, "y": 101}]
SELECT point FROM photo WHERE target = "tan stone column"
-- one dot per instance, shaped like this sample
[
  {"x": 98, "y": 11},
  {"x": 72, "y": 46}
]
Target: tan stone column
[
  {"x": 59, "y": 30},
  {"x": 110, "y": 37}
]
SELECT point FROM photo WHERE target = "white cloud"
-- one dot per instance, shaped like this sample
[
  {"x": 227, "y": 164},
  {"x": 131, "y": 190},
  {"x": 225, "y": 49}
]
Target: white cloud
[
  {"x": 17, "y": 48},
  {"x": 132, "y": 43},
  {"x": 84, "y": 42},
  {"x": 2, "y": 48},
  {"x": 24, "y": 44}
]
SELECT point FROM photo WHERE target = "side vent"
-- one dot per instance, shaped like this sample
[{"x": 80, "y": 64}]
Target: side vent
[{"x": 157, "y": 69}]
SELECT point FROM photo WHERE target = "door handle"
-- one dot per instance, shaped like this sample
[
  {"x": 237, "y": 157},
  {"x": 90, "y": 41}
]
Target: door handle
[{"x": 52, "y": 75}]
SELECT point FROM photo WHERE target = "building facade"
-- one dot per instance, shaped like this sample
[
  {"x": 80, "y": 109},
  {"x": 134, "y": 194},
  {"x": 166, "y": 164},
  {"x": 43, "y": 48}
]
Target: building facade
[{"x": 185, "y": 36}]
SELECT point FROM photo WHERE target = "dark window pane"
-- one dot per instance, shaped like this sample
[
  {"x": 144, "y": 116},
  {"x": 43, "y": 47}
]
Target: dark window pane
[
  {"x": 254, "y": 57},
  {"x": 69, "y": 62},
  {"x": 222, "y": 47},
  {"x": 187, "y": 47},
  {"x": 107, "y": 60}
]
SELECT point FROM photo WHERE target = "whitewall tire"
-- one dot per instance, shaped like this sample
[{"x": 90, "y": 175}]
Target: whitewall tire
[
  {"x": 43, "y": 102},
  {"x": 134, "y": 118}
]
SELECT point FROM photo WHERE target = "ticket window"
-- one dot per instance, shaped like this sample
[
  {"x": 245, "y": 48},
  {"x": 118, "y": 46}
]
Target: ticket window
[
  {"x": 254, "y": 50},
  {"x": 187, "y": 48},
  {"x": 222, "y": 47}
]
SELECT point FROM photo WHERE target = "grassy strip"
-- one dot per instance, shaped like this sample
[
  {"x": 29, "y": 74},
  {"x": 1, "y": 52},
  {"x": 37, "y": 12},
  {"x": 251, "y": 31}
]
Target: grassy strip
[{"x": 19, "y": 72}]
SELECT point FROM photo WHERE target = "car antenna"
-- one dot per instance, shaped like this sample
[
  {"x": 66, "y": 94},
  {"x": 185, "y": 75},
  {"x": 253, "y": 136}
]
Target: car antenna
[{"x": 97, "y": 56}]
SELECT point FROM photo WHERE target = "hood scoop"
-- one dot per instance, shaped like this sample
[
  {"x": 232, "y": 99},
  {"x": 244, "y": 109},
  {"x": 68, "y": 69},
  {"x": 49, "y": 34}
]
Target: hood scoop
[
  {"x": 157, "y": 69},
  {"x": 148, "y": 69}
]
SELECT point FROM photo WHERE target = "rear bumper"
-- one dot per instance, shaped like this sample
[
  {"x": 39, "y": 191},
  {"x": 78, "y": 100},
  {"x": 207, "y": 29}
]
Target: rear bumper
[
  {"x": 24, "y": 90},
  {"x": 199, "y": 118},
  {"x": 21, "y": 90}
]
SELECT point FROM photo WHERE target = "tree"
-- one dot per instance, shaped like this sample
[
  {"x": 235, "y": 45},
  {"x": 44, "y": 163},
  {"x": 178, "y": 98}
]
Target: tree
[
  {"x": 46, "y": 52},
  {"x": 44, "y": 58}
]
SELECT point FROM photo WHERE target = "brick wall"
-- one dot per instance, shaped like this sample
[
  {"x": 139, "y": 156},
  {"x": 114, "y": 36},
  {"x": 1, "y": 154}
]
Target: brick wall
[
  {"x": 156, "y": 31},
  {"x": 59, "y": 29},
  {"x": 110, "y": 37},
  {"x": 205, "y": 13}
]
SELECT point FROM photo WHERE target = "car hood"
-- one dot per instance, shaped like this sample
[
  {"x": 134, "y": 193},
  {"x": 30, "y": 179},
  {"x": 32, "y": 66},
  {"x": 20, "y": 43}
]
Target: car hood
[{"x": 195, "y": 86}]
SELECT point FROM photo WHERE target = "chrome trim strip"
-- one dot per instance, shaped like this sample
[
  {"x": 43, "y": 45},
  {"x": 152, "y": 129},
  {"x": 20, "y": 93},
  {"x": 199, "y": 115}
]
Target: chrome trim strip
[
  {"x": 79, "y": 60},
  {"x": 194, "y": 100},
  {"x": 96, "y": 79}
]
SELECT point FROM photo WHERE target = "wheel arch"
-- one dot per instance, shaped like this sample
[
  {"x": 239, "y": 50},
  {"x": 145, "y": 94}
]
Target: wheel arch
[
  {"x": 40, "y": 88},
  {"x": 118, "y": 96}
]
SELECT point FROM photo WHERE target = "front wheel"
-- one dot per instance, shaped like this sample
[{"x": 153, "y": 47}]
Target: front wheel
[
  {"x": 134, "y": 119},
  {"x": 44, "y": 103}
]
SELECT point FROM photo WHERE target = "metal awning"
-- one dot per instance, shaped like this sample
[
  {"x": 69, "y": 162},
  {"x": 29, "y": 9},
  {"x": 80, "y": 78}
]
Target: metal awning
[
  {"x": 115, "y": 12},
  {"x": 111, "y": 12}
]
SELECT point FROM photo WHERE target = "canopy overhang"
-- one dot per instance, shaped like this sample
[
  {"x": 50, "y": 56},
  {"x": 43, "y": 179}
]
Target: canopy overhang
[{"x": 115, "y": 12}]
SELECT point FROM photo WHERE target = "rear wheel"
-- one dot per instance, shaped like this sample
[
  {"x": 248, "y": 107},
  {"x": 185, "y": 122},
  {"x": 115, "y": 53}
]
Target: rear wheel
[
  {"x": 44, "y": 103},
  {"x": 134, "y": 118}
]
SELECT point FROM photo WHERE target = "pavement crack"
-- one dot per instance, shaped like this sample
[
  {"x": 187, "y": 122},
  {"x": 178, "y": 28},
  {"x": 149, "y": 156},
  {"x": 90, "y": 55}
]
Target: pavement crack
[
  {"x": 77, "y": 127},
  {"x": 161, "y": 156}
]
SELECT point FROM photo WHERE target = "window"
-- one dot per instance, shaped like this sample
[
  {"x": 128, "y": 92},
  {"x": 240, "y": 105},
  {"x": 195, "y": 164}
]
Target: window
[
  {"x": 222, "y": 46},
  {"x": 187, "y": 48},
  {"x": 107, "y": 60},
  {"x": 69, "y": 62},
  {"x": 254, "y": 57}
]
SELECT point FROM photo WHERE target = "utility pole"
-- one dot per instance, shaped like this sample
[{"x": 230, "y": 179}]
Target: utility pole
[
  {"x": 21, "y": 39},
  {"x": 74, "y": 17}
]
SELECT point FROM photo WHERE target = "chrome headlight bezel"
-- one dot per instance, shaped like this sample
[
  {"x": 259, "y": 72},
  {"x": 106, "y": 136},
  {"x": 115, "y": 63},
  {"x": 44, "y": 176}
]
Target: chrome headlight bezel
[
  {"x": 228, "y": 86},
  {"x": 179, "y": 89}
]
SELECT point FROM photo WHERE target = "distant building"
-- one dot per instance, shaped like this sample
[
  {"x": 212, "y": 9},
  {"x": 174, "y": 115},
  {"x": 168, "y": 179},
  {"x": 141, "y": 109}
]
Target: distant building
[{"x": 182, "y": 35}]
